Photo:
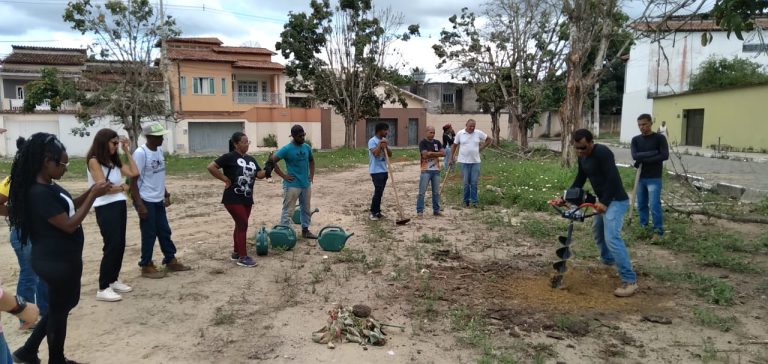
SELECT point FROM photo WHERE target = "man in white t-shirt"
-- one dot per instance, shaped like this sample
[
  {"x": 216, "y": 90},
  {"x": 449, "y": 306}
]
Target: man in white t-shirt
[
  {"x": 150, "y": 198},
  {"x": 469, "y": 143}
]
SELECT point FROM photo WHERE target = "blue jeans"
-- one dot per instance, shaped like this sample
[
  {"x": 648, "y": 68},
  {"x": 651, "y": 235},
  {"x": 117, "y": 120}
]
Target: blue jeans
[
  {"x": 290, "y": 195},
  {"x": 470, "y": 173},
  {"x": 379, "y": 183},
  {"x": 607, "y": 232},
  {"x": 155, "y": 227},
  {"x": 649, "y": 197},
  {"x": 29, "y": 286},
  {"x": 5, "y": 353},
  {"x": 447, "y": 158},
  {"x": 429, "y": 177}
]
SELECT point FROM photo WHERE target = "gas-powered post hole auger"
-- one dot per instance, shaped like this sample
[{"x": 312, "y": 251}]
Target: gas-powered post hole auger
[{"x": 573, "y": 207}]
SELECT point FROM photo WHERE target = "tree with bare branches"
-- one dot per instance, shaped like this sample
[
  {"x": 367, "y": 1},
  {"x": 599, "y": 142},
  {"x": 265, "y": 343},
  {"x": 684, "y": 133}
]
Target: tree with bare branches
[
  {"x": 123, "y": 85},
  {"x": 519, "y": 48},
  {"x": 341, "y": 54}
]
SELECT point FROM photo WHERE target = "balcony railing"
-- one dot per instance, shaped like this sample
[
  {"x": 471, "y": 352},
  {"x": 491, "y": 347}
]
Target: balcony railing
[
  {"x": 18, "y": 105},
  {"x": 259, "y": 98}
]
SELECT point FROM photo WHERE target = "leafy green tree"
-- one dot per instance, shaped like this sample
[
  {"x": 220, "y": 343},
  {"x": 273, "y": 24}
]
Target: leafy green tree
[
  {"x": 718, "y": 73},
  {"x": 340, "y": 53},
  {"x": 738, "y": 16},
  {"x": 50, "y": 87},
  {"x": 124, "y": 86}
]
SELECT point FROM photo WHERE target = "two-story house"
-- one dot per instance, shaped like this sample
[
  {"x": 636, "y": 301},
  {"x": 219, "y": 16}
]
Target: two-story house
[
  {"x": 658, "y": 76},
  {"x": 217, "y": 90},
  {"x": 18, "y": 69}
]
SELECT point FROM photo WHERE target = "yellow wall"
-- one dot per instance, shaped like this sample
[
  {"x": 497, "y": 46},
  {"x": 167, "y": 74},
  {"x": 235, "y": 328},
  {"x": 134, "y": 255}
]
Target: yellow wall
[{"x": 736, "y": 116}]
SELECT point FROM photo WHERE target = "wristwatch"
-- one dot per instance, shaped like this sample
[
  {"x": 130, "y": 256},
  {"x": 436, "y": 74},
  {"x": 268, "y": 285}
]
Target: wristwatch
[{"x": 21, "y": 305}]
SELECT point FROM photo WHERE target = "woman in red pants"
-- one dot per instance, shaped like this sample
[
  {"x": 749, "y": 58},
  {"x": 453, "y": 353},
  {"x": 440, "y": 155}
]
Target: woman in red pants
[{"x": 240, "y": 171}]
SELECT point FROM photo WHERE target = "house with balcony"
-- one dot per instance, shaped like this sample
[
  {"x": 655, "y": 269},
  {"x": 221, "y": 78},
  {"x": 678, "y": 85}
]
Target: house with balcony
[
  {"x": 17, "y": 70},
  {"x": 217, "y": 90}
]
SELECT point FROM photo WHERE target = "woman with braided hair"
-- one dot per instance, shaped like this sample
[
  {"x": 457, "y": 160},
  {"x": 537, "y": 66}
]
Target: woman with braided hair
[{"x": 46, "y": 213}]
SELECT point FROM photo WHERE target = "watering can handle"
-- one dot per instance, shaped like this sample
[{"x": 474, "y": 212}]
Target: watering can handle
[{"x": 329, "y": 227}]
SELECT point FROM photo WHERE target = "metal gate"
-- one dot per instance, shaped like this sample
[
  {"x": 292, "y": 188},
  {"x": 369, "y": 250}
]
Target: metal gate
[
  {"x": 370, "y": 129},
  {"x": 212, "y": 137},
  {"x": 413, "y": 131},
  {"x": 694, "y": 127}
]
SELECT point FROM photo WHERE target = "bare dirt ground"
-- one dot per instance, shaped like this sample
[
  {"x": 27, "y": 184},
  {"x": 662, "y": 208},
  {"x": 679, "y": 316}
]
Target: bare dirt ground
[{"x": 222, "y": 313}]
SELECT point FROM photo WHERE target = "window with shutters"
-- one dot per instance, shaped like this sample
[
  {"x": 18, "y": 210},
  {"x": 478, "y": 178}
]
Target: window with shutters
[{"x": 203, "y": 86}]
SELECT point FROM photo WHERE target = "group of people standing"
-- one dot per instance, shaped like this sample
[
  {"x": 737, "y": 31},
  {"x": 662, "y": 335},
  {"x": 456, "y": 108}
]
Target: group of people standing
[
  {"x": 48, "y": 237},
  {"x": 239, "y": 172},
  {"x": 463, "y": 147}
]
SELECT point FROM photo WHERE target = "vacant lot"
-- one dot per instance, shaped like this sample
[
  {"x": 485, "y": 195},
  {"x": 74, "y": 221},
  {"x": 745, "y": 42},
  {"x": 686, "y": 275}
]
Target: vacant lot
[{"x": 472, "y": 286}]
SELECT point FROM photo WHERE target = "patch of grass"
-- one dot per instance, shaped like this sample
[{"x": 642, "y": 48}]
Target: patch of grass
[
  {"x": 714, "y": 290},
  {"x": 377, "y": 231},
  {"x": 707, "y": 318},
  {"x": 344, "y": 158},
  {"x": 538, "y": 229},
  {"x": 431, "y": 239},
  {"x": 524, "y": 183},
  {"x": 473, "y": 330},
  {"x": 710, "y": 246},
  {"x": 350, "y": 255},
  {"x": 222, "y": 317}
]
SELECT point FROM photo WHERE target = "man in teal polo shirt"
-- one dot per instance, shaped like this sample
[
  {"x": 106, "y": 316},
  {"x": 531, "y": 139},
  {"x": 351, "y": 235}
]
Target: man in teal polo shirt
[{"x": 297, "y": 184}]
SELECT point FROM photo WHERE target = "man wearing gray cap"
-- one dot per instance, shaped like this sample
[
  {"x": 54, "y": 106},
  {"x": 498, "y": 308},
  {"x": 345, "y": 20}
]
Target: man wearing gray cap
[
  {"x": 150, "y": 198},
  {"x": 297, "y": 183}
]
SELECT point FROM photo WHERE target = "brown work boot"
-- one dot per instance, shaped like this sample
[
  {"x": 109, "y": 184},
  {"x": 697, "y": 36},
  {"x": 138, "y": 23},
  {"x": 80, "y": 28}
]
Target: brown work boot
[
  {"x": 626, "y": 289},
  {"x": 176, "y": 266},
  {"x": 150, "y": 271}
]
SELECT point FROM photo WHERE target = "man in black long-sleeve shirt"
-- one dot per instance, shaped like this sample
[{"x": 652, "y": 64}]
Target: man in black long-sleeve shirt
[
  {"x": 649, "y": 150},
  {"x": 596, "y": 163}
]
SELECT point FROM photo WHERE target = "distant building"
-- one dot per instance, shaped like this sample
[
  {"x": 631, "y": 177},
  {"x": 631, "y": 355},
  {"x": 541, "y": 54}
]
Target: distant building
[
  {"x": 23, "y": 66},
  {"x": 448, "y": 97},
  {"x": 217, "y": 90},
  {"x": 730, "y": 117},
  {"x": 665, "y": 67}
]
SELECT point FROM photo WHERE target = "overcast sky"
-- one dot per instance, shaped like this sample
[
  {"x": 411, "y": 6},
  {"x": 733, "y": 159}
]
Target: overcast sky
[{"x": 39, "y": 22}]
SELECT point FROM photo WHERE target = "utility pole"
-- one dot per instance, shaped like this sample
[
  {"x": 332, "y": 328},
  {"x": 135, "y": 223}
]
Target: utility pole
[{"x": 166, "y": 85}]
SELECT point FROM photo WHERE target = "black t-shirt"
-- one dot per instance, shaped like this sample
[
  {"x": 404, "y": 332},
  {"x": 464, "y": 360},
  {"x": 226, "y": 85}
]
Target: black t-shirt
[
  {"x": 48, "y": 241},
  {"x": 431, "y": 163},
  {"x": 600, "y": 168},
  {"x": 448, "y": 139},
  {"x": 241, "y": 170},
  {"x": 650, "y": 150}
]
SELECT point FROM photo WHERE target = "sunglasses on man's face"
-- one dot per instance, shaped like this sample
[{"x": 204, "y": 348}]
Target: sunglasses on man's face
[{"x": 580, "y": 148}]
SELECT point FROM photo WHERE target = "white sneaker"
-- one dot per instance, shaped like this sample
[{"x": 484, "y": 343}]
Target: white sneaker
[
  {"x": 120, "y": 287},
  {"x": 373, "y": 217},
  {"x": 108, "y": 295}
]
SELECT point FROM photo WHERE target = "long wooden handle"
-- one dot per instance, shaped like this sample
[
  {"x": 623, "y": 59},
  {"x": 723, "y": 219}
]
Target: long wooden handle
[
  {"x": 394, "y": 187},
  {"x": 447, "y": 173},
  {"x": 634, "y": 193}
]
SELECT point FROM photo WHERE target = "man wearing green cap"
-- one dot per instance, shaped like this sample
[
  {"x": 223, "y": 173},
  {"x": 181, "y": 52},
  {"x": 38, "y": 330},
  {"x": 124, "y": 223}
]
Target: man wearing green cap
[
  {"x": 150, "y": 198},
  {"x": 297, "y": 183}
]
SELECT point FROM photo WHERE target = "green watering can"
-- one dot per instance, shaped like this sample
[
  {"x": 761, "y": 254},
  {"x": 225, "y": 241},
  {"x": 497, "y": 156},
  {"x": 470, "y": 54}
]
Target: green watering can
[
  {"x": 262, "y": 241},
  {"x": 297, "y": 214},
  {"x": 332, "y": 238},
  {"x": 282, "y": 237}
]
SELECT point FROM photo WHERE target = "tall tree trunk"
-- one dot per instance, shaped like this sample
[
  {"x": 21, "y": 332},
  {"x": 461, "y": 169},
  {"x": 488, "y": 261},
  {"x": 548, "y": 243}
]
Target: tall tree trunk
[
  {"x": 570, "y": 111},
  {"x": 522, "y": 129},
  {"x": 510, "y": 126},
  {"x": 349, "y": 132},
  {"x": 133, "y": 128},
  {"x": 495, "y": 128}
]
